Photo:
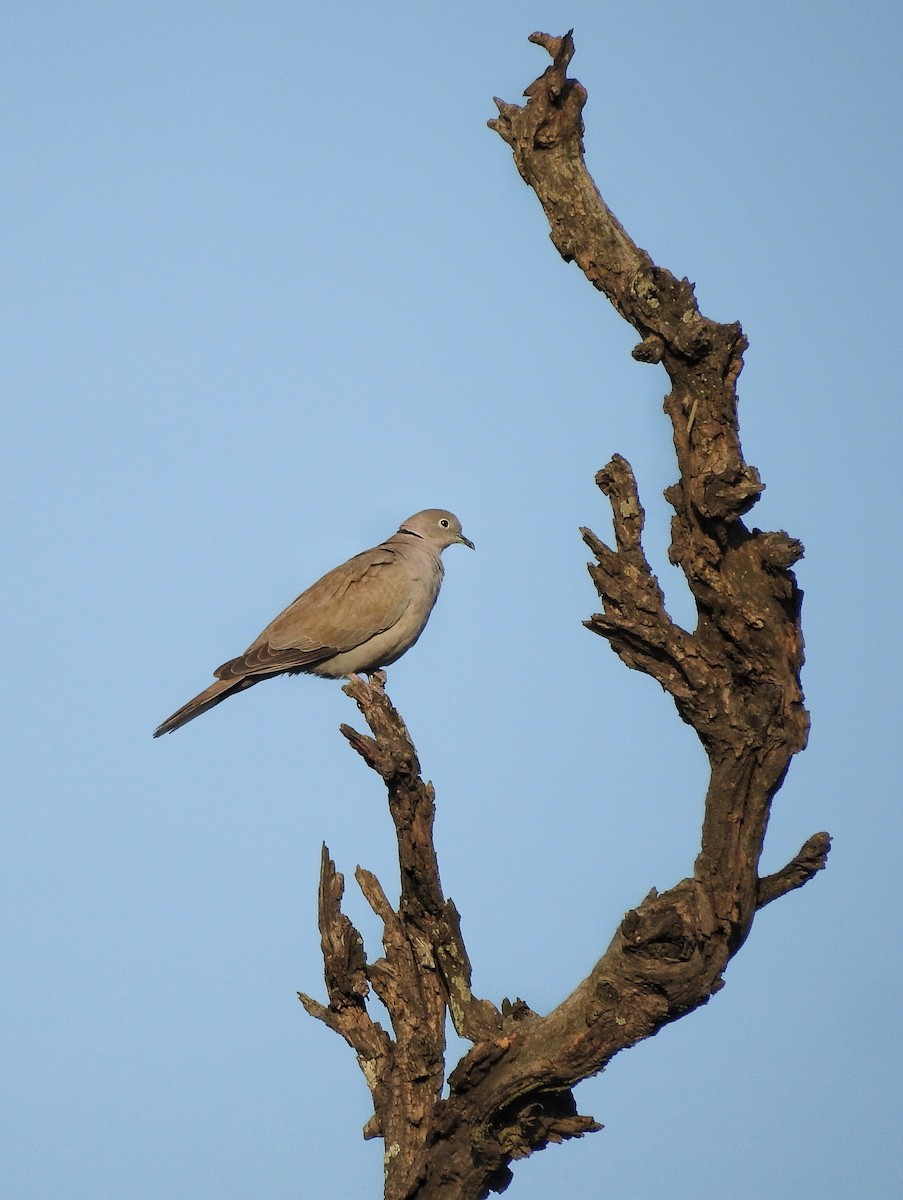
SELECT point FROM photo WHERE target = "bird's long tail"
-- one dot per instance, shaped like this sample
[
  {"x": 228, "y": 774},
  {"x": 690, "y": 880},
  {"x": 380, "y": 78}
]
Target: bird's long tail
[{"x": 215, "y": 694}]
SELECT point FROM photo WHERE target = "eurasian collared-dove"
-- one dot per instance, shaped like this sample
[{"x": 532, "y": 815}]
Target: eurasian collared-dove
[{"x": 360, "y": 616}]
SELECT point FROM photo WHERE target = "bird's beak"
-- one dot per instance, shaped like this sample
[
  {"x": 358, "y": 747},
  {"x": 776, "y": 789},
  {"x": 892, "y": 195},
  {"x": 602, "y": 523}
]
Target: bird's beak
[{"x": 466, "y": 541}]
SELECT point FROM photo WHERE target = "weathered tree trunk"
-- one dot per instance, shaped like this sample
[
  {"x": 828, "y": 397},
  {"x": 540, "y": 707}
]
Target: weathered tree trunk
[{"x": 735, "y": 679}]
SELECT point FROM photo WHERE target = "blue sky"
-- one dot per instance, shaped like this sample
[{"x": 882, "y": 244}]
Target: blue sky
[{"x": 271, "y": 286}]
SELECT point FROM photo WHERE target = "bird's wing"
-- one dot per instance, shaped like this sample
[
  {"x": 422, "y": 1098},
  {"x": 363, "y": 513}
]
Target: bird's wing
[{"x": 348, "y": 606}]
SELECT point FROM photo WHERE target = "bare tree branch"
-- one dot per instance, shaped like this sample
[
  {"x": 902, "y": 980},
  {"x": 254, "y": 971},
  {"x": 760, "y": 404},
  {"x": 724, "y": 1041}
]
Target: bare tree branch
[
  {"x": 635, "y": 621},
  {"x": 424, "y": 971},
  {"x": 812, "y": 858},
  {"x": 430, "y": 917},
  {"x": 734, "y": 679},
  {"x": 346, "y": 980}
]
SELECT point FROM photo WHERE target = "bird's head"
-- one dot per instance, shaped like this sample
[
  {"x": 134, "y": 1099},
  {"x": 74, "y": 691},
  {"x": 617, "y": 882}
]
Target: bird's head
[{"x": 436, "y": 526}]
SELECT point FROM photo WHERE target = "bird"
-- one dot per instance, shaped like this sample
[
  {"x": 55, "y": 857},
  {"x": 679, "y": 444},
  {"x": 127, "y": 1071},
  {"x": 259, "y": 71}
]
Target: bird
[{"x": 361, "y": 616}]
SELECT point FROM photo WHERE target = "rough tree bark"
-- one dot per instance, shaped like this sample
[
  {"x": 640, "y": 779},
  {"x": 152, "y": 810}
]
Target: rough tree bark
[{"x": 735, "y": 680}]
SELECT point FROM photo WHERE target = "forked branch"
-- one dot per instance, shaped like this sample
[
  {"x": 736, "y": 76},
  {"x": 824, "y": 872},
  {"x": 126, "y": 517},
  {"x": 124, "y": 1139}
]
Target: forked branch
[{"x": 734, "y": 679}]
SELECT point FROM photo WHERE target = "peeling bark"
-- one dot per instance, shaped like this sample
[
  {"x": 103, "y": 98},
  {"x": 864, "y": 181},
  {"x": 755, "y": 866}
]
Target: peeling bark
[{"x": 734, "y": 679}]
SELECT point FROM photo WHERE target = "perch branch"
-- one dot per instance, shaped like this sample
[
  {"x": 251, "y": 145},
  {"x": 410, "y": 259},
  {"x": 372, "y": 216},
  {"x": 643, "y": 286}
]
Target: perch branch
[
  {"x": 424, "y": 971},
  {"x": 391, "y": 753}
]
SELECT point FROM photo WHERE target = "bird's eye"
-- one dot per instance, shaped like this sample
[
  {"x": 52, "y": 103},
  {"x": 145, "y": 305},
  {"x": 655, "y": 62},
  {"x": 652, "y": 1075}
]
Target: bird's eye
[{"x": 443, "y": 522}]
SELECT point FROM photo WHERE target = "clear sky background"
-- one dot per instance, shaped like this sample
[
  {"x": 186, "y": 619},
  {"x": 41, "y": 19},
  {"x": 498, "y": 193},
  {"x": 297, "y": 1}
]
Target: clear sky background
[{"x": 270, "y": 285}]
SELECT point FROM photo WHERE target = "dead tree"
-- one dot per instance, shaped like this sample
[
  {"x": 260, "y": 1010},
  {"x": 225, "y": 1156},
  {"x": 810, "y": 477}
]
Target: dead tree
[{"x": 734, "y": 679}]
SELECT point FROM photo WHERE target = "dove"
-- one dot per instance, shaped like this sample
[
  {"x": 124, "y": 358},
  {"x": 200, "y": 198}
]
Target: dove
[{"x": 359, "y": 617}]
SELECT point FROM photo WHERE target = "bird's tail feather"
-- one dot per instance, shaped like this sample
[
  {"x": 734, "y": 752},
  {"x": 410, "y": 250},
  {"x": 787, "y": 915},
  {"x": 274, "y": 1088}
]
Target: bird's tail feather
[{"x": 215, "y": 694}]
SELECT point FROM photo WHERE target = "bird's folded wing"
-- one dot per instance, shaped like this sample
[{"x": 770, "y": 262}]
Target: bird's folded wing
[
  {"x": 348, "y": 606},
  {"x": 267, "y": 660}
]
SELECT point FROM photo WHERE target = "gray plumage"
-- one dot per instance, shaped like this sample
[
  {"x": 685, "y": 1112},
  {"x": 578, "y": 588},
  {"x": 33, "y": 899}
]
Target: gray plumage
[{"x": 359, "y": 617}]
